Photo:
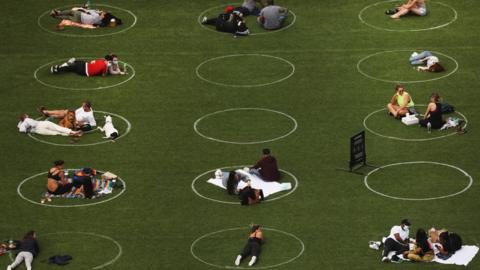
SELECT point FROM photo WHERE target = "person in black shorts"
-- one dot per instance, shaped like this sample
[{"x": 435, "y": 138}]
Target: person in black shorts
[
  {"x": 231, "y": 21},
  {"x": 57, "y": 183},
  {"x": 253, "y": 246}
]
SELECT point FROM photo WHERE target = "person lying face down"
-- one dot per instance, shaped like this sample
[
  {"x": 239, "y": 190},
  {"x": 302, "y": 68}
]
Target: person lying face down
[
  {"x": 253, "y": 246},
  {"x": 29, "y": 125},
  {"x": 267, "y": 167},
  {"x": 106, "y": 66},
  {"x": 231, "y": 21},
  {"x": 426, "y": 61},
  {"x": 27, "y": 249}
]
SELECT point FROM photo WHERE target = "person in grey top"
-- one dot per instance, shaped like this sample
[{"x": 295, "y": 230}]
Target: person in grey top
[{"x": 272, "y": 17}]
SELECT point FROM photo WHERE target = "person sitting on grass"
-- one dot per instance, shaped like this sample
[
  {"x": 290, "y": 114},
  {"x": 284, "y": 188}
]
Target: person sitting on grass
[
  {"x": 231, "y": 21},
  {"x": 416, "y": 7},
  {"x": 57, "y": 183},
  {"x": 107, "y": 66},
  {"x": 422, "y": 251},
  {"x": 401, "y": 103},
  {"x": 27, "y": 249},
  {"x": 253, "y": 246},
  {"x": 426, "y": 61},
  {"x": 397, "y": 241},
  {"x": 29, "y": 125},
  {"x": 83, "y": 117},
  {"x": 272, "y": 17},
  {"x": 267, "y": 167},
  {"x": 85, "y": 18},
  {"x": 432, "y": 118}
]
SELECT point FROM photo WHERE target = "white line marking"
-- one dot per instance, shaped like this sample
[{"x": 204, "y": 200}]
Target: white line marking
[
  {"x": 19, "y": 192},
  {"x": 365, "y": 181},
  {"x": 398, "y": 81},
  {"x": 92, "y": 35},
  {"x": 129, "y": 127},
  {"x": 455, "y": 15},
  {"x": 195, "y": 126},
  {"x": 238, "y": 203},
  {"x": 302, "y": 250},
  {"x": 199, "y": 20},
  {"x": 197, "y": 72},
  {"x": 408, "y": 139}
]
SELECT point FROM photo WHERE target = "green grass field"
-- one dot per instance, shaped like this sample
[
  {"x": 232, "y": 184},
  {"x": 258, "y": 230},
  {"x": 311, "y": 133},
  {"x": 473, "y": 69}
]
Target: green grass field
[{"x": 156, "y": 222}]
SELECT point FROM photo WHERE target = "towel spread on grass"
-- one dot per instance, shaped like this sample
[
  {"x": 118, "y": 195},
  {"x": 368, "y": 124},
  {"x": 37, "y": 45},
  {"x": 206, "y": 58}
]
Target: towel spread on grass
[
  {"x": 462, "y": 257},
  {"x": 256, "y": 182},
  {"x": 100, "y": 186}
]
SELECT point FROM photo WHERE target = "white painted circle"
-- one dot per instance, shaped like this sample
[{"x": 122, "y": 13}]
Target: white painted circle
[
  {"x": 92, "y": 35},
  {"x": 360, "y": 17},
  {"x": 19, "y": 192},
  {"x": 196, "y": 123},
  {"x": 129, "y": 127},
  {"x": 408, "y": 139},
  {"x": 295, "y": 180},
  {"x": 398, "y": 81},
  {"x": 365, "y": 181},
  {"x": 119, "y": 254},
  {"x": 300, "y": 253},
  {"x": 197, "y": 72},
  {"x": 199, "y": 21},
  {"x": 81, "y": 88}
]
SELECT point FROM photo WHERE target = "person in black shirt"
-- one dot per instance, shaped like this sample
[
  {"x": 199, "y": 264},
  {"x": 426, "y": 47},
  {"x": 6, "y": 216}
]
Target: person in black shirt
[
  {"x": 423, "y": 251},
  {"x": 253, "y": 246},
  {"x": 28, "y": 249},
  {"x": 231, "y": 21}
]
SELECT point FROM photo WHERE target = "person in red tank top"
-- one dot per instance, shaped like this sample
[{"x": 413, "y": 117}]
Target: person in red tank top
[{"x": 107, "y": 66}]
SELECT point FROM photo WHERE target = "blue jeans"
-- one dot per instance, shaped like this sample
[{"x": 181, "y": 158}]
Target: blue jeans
[{"x": 416, "y": 60}]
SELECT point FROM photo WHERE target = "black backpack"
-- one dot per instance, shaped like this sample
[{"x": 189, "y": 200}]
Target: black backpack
[
  {"x": 447, "y": 108},
  {"x": 455, "y": 242},
  {"x": 60, "y": 259}
]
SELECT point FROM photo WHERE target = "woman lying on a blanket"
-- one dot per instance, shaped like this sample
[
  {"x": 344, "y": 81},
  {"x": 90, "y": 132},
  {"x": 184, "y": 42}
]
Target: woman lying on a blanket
[
  {"x": 247, "y": 195},
  {"x": 57, "y": 183}
]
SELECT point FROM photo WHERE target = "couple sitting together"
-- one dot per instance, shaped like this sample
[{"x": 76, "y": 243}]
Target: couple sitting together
[
  {"x": 71, "y": 123},
  {"x": 83, "y": 182},
  {"x": 398, "y": 246},
  {"x": 85, "y": 17},
  {"x": 402, "y": 104}
]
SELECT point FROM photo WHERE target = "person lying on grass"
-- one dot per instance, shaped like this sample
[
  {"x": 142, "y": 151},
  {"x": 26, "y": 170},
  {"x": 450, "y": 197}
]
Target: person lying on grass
[
  {"x": 27, "y": 249},
  {"x": 272, "y": 17},
  {"x": 253, "y": 246},
  {"x": 85, "y": 18},
  {"x": 401, "y": 103},
  {"x": 247, "y": 194},
  {"x": 416, "y": 7},
  {"x": 426, "y": 61},
  {"x": 231, "y": 21},
  {"x": 432, "y": 118},
  {"x": 106, "y": 66},
  {"x": 29, "y": 125},
  {"x": 82, "y": 118}
]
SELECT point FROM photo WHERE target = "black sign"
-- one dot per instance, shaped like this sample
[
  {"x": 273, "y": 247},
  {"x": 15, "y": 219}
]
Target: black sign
[{"x": 358, "y": 156}]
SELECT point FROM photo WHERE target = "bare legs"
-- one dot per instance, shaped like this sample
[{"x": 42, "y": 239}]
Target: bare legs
[{"x": 396, "y": 111}]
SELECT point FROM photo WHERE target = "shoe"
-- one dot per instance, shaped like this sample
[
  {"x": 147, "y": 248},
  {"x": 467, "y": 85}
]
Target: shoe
[
  {"x": 384, "y": 259},
  {"x": 395, "y": 259},
  {"x": 204, "y": 19},
  {"x": 71, "y": 61},
  {"x": 390, "y": 11},
  {"x": 9, "y": 267},
  {"x": 52, "y": 69},
  {"x": 238, "y": 260},
  {"x": 372, "y": 245},
  {"x": 378, "y": 243},
  {"x": 252, "y": 261},
  {"x": 41, "y": 109}
]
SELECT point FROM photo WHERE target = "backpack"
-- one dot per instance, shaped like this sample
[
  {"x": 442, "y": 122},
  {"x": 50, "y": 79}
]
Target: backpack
[
  {"x": 60, "y": 259},
  {"x": 455, "y": 242},
  {"x": 447, "y": 108}
]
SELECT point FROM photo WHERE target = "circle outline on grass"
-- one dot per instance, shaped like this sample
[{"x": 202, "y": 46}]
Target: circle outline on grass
[
  {"x": 40, "y": 17},
  {"x": 294, "y": 178},
  {"x": 455, "y": 16},
  {"x": 129, "y": 127},
  {"x": 199, "y": 21},
  {"x": 246, "y": 228},
  {"x": 19, "y": 192},
  {"x": 408, "y": 139},
  {"x": 197, "y": 72},
  {"x": 120, "y": 248},
  {"x": 82, "y": 88},
  {"x": 398, "y": 81},
  {"x": 365, "y": 181},
  {"x": 195, "y": 126}
]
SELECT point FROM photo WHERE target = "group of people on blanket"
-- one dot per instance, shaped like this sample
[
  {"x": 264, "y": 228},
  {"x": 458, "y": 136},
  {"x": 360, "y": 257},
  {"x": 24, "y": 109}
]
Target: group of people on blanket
[
  {"x": 398, "y": 246},
  {"x": 266, "y": 168},
  {"x": 232, "y": 20},
  {"x": 58, "y": 184}
]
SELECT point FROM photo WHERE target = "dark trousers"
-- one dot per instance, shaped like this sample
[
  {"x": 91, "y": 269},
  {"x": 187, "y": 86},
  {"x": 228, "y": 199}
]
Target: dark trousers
[
  {"x": 392, "y": 245},
  {"x": 62, "y": 189},
  {"x": 77, "y": 67},
  {"x": 252, "y": 247},
  {"x": 86, "y": 182}
]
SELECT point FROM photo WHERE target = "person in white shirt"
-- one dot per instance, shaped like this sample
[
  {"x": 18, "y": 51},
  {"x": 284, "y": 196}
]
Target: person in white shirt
[
  {"x": 272, "y": 17},
  {"x": 84, "y": 118},
  {"x": 427, "y": 61},
  {"x": 29, "y": 125},
  {"x": 397, "y": 241}
]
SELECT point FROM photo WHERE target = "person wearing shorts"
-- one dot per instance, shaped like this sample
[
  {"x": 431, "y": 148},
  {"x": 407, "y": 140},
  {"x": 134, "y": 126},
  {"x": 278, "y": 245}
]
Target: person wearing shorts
[{"x": 417, "y": 7}]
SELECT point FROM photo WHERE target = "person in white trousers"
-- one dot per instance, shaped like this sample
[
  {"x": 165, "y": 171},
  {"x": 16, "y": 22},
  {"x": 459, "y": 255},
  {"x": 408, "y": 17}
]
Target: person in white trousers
[
  {"x": 28, "y": 125},
  {"x": 28, "y": 249}
]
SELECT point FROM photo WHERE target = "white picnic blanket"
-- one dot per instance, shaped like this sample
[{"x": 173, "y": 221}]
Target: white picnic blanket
[
  {"x": 462, "y": 257},
  {"x": 256, "y": 182}
]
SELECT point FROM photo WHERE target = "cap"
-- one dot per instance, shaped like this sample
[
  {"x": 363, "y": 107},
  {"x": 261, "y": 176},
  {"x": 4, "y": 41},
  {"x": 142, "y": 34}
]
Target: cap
[
  {"x": 405, "y": 222},
  {"x": 229, "y": 9}
]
